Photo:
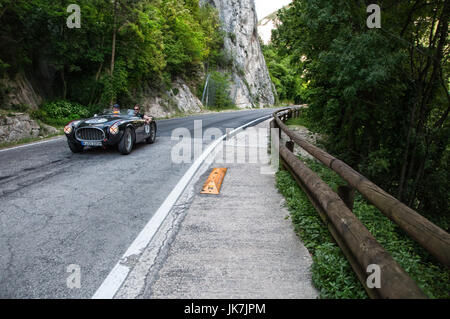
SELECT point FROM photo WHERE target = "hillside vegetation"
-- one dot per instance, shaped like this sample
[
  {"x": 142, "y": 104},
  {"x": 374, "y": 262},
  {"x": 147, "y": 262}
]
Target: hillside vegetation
[
  {"x": 380, "y": 96},
  {"x": 123, "y": 47}
]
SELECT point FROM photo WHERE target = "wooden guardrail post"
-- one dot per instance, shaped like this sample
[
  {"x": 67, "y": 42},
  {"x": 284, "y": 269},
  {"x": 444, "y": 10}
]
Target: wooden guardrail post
[
  {"x": 357, "y": 243},
  {"x": 279, "y": 132}
]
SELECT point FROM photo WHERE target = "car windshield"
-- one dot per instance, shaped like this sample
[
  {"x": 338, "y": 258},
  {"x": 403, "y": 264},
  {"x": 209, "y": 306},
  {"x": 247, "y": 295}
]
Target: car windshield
[{"x": 128, "y": 112}]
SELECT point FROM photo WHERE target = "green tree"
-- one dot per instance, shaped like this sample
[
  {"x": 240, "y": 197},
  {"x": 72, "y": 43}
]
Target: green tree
[
  {"x": 380, "y": 95},
  {"x": 121, "y": 47},
  {"x": 288, "y": 83}
]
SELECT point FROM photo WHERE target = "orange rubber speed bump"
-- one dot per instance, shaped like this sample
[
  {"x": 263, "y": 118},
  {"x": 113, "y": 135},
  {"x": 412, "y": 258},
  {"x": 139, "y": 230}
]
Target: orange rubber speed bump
[{"x": 214, "y": 182}]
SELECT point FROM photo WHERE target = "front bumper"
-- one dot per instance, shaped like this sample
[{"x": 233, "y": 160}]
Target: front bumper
[{"x": 109, "y": 139}]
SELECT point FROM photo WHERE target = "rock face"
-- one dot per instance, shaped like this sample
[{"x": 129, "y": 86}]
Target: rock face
[
  {"x": 252, "y": 86},
  {"x": 17, "y": 127},
  {"x": 178, "y": 99},
  {"x": 20, "y": 91},
  {"x": 184, "y": 99}
]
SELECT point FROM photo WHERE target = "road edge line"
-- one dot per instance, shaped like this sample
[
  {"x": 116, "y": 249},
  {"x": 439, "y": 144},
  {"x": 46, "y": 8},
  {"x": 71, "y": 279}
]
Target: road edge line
[{"x": 53, "y": 139}]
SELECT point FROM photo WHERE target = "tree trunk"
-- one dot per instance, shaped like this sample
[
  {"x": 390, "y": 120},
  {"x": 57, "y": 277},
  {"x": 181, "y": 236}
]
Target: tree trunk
[
  {"x": 417, "y": 181},
  {"x": 405, "y": 157},
  {"x": 113, "y": 51},
  {"x": 63, "y": 79}
]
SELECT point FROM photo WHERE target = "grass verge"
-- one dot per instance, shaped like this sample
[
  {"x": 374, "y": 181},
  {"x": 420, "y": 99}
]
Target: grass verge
[{"x": 332, "y": 275}]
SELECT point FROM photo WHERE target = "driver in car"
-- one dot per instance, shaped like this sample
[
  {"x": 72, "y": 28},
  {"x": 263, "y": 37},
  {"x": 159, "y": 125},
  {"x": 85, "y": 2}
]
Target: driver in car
[
  {"x": 116, "y": 109},
  {"x": 137, "y": 112}
]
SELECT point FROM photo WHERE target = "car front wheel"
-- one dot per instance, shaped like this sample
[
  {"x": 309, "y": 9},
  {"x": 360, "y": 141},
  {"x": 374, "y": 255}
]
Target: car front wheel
[
  {"x": 75, "y": 147},
  {"x": 126, "y": 142}
]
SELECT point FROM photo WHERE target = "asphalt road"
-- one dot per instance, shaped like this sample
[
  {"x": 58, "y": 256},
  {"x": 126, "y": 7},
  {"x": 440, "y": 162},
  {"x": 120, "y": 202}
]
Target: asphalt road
[{"x": 59, "y": 209}]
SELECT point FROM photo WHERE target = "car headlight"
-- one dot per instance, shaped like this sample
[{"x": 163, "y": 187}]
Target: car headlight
[
  {"x": 114, "y": 129},
  {"x": 68, "y": 129}
]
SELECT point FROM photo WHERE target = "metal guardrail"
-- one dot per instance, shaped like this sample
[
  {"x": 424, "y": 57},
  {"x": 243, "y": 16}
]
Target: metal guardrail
[{"x": 357, "y": 243}]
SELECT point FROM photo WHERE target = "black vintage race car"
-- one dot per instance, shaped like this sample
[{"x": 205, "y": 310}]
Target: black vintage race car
[{"x": 122, "y": 129}]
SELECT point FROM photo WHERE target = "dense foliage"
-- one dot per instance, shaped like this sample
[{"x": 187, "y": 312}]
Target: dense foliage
[
  {"x": 59, "y": 113},
  {"x": 288, "y": 82},
  {"x": 331, "y": 272},
  {"x": 217, "y": 93},
  {"x": 381, "y": 96},
  {"x": 122, "y": 47}
]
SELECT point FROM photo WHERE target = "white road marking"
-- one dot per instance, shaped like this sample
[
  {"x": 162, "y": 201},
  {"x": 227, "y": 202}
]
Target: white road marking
[
  {"x": 119, "y": 273},
  {"x": 31, "y": 144}
]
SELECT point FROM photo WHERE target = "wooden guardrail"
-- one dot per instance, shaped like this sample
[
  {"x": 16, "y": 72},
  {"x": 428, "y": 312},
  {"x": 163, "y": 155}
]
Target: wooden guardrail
[{"x": 359, "y": 246}]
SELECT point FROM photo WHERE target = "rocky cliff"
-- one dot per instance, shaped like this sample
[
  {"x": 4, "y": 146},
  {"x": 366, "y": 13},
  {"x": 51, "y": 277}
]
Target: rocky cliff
[
  {"x": 178, "y": 99},
  {"x": 19, "y": 91},
  {"x": 251, "y": 86}
]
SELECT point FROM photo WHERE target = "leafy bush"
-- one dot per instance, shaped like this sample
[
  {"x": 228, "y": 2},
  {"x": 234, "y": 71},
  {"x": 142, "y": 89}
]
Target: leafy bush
[
  {"x": 59, "y": 113},
  {"x": 115, "y": 86}
]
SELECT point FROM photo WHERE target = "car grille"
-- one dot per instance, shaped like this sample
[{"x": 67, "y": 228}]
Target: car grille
[{"x": 90, "y": 134}]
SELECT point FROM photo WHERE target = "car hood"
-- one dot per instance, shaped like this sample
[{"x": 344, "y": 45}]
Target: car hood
[{"x": 103, "y": 120}]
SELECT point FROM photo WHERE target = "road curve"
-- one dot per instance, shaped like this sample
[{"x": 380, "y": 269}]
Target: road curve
[{"x": 59, "y": 209}]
